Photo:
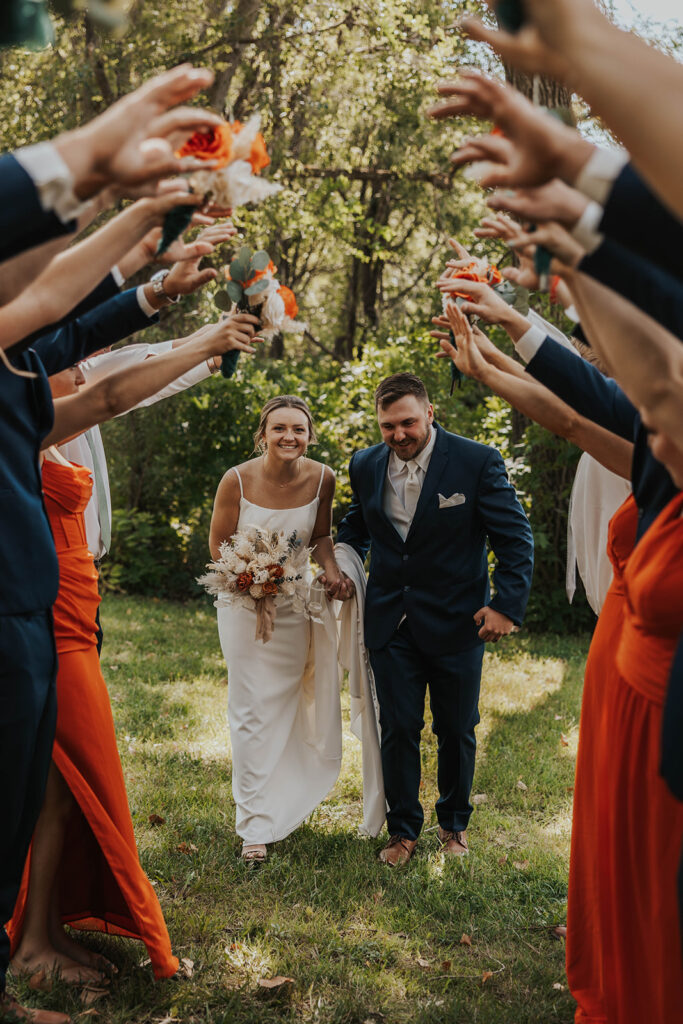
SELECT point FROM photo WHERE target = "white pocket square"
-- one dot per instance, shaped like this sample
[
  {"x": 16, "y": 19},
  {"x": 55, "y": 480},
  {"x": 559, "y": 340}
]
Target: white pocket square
[{"x": 455, "y": 499}]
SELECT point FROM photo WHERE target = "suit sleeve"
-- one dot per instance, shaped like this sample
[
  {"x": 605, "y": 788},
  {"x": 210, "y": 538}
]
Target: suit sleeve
[
  {"x": 352, "y": 529},
  {"x": 24, "y": 223},
  {"x": 584, "y": 388},
  {"x": 510, "y": 537},
  {"x": 634, "y": 217},
  {"x": 100, "y": 327},
  {"x": 656, "y": 292}
]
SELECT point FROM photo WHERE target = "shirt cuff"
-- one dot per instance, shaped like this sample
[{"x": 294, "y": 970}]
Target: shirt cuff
[
  {"x": 118, "y": 276},
  {"x": 585, "y": 230},
  {"x": 600, "y": 172},
  {"x": 549, "y": 330},
  {"x": 146, "y": 307},
  {"x": 529, "y": 344},
  {"x": 53, "y": 180}
]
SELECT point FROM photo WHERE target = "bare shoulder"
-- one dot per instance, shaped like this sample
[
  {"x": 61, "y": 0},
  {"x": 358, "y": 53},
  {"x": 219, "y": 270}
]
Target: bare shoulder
[
  {"x": 229, "y": 487},
  {"x": 328, "y": 478}
]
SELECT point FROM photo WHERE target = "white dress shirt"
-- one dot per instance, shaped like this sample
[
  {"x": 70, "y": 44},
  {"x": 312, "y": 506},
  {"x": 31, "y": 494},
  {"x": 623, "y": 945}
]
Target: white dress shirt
[
  {"x": 53, "y": 180},
  {"x": 79, "y": 450},
  {"x": 395, "y": 484}
]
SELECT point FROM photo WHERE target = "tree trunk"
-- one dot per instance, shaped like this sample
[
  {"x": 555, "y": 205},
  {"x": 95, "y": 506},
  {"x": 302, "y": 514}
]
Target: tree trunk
[{"x": 242, "y": 22}]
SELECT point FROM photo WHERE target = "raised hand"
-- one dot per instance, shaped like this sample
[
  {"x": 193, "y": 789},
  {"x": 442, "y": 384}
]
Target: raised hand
[
  {"x": 553, "y": 201},
  {"x": 464, "y": 353},
  {"x": 555, "y": 239},
  {"x": 133, "y": 142},
  {"x": 535, "y": 148},
  {"x": 232, "y": 331},
  {"x": 185, "y": 276}
]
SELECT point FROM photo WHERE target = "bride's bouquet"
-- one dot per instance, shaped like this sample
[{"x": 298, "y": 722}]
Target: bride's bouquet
[{"x": 255, "y": 566}]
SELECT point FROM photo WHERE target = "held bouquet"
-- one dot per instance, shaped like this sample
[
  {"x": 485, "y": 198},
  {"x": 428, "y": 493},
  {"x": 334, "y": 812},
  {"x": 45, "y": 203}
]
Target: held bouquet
[
  {"x": 253, "y": 288},
  {"x": 238, "y": 155},
  {"x": 255, "y": 566},
  {"x": 482, "y": 270}
]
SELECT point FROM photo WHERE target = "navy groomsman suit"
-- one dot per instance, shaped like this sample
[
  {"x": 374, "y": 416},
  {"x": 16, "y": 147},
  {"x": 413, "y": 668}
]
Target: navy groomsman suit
[
  {"x": 29, "y": 574},
  {"x": 24, "y": 222},
  {"x": 423, "y": 591}
]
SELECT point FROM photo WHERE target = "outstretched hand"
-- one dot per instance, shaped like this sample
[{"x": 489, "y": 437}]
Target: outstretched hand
[
  {"x": 186, "y": 276},
  {"x": 534, "y": 148},
  {"x": 493, "y": 624}
]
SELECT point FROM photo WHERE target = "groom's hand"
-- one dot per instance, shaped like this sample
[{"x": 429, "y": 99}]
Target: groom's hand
[{"x": 493, "y": 624}]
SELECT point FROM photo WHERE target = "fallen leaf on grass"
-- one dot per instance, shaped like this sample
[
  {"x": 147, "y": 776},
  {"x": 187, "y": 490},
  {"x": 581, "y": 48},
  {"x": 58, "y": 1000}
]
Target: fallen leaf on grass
[
  {"x": 503, "y": 860},
  {"x": 446, "y": 965},
  {"x": 167, "y": 1020},
  {"x": 40, "y": 982},
  {"x": 465, "y": 940},
  {"x": 479, "y": 798},
  {"x": 421, "y": 962},
  {"x": 558, "y": 718},
  {"x": 92, "y": 1012},
  {"x": 521, "y": 865},
  {"x": 558, "y": 987},
  {"x": 485, "y": 976},
  {"x": 186, "y": 848},
  {"x": 570, "y": 789},
  {"x": 90, "y": 994},
  {"x": 563, "y": 740},
  {"x": 186, "y": 969},
  {"x": 560, "y": 932},
  {"x": 522, "y": 785},
  {"x": 156, "y": 819},
  {"x": 277, "y": 986}
]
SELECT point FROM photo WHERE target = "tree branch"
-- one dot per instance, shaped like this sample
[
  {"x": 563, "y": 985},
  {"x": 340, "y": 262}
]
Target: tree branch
[{"x": 439, "y": 179}]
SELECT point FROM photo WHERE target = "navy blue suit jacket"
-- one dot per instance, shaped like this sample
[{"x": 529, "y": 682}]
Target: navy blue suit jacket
[
  {"x": 601, "y": 400},
  {"x": 656, "y": 292},
  {"x": 28, "y": 564},
  {"x": 438, "y": 576},
  {"x": 23, "y": 222},
  {"x": 636, "y": 218}
]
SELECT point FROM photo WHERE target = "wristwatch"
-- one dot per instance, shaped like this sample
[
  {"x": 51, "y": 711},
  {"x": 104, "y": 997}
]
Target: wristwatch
[{"x": 157, "y": 283}]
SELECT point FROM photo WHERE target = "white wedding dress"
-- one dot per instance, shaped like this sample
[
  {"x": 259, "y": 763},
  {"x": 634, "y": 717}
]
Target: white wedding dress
[{"x": 283, "y": 702}]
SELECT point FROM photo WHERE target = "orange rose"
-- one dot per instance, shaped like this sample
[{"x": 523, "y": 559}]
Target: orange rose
[
  {"x": 289, "y": 299},
  {"x": 245, "y": 580},
  {"x": 276, "y": 571},
  {"x": 214, "y": 144},
  {"x": 270, "y": 587},
  {"x": 472, "y": 273},
  {"x": 258, "y": 156}
]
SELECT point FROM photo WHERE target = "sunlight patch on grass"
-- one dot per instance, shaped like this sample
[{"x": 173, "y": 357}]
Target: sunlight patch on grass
[{"x": 508, "y": 686}]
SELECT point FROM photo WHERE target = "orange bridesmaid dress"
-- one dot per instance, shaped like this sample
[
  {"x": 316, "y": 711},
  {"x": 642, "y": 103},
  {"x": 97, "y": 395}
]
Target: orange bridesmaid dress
[
  {"x": 102, "y": 886},
  {"x": 584, "y": 952},
  {"x": 641, "y": 823}
]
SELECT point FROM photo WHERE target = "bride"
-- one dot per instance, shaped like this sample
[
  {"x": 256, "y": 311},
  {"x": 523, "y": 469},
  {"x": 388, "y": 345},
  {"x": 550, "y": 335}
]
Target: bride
[{"x": 285, "y": 730}]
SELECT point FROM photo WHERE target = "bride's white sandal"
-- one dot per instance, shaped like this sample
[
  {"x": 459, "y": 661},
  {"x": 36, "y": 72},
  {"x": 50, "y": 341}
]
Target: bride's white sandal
[{"x": 255, "y": 853}]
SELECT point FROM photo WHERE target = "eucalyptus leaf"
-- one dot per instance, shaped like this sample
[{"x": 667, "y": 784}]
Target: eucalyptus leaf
[
  {"x": 257, "y": 286},
  {"x": 234, "y": 291},
  {"x": 507, "y": 292},
  {"x": 239, "y": 269},
  {"x": 223, "y": 301},
  {"x": 244, "y": 254},
  {"x": 260, "y": 260}
]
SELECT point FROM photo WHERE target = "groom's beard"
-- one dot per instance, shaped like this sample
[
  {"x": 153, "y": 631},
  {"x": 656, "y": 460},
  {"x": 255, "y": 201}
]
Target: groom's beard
[{"x": 411, "y": 448}]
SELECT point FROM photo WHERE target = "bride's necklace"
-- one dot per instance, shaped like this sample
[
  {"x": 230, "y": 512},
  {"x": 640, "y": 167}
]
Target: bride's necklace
[{"x": 278, "y": 483}]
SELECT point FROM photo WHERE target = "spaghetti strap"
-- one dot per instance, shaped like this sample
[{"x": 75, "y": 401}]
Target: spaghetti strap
[
  {"x": 320, "y": 482},
  {"x": 237, "y": 472}
]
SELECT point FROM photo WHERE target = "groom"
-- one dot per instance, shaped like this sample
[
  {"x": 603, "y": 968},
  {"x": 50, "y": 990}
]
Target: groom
[{"x": 425, "y": 502}]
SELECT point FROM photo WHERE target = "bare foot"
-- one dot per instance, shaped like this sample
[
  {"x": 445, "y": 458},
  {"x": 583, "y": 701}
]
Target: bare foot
[
  {"x": 51, "y": 961},
  {"x": 10, "y": 1009},
  {"x": 65, "y": 943}
]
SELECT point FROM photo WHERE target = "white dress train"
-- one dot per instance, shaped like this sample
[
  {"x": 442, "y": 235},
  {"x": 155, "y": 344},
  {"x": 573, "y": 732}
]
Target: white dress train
[{"x": 283, "y": 702}]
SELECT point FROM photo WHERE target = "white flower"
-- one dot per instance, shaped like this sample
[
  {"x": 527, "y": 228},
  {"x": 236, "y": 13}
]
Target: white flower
[
  {"x": 256, "y": 591},
  {"x": 234, "y": 185},
  {"x": 261, "y": 576}
]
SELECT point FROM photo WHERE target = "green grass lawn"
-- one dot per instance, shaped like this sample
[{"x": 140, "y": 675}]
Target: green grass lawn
[{"x": 456, "y": 941}]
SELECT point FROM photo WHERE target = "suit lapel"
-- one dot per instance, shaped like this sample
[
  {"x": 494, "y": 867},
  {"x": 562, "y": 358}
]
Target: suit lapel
[
  {"x": 437, "y": 465},
  {"x": 380, "y": 480}
]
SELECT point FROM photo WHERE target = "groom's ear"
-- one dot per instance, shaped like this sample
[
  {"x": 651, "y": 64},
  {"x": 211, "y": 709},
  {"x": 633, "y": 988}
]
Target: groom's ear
[{"x": 430, "y": 412}]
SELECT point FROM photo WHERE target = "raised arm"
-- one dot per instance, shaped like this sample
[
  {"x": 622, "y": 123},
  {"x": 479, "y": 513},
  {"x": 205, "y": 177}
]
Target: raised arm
[
  {"x": 113, "y": 395},
  {"x": 477, "y": 357}
]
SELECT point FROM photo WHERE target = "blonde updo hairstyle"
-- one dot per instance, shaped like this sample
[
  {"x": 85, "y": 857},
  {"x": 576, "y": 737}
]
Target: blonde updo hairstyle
[{"x": 282, "y": 402}]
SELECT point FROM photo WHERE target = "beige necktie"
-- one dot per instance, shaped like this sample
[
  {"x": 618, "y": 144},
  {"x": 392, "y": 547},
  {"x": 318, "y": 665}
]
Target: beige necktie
[{"x": 413, "y": 488}]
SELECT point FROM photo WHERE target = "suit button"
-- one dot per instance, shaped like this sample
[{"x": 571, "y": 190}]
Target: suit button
[
  {"x": 406, "y": 557},
  {"x": 406, "y": 588}
]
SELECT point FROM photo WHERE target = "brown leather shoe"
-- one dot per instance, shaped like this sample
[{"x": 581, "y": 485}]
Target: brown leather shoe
[
  {"x": 398, "y": 850},
  {"x": 453, "y": 842},
  {"x": 10, "y": 1010}
]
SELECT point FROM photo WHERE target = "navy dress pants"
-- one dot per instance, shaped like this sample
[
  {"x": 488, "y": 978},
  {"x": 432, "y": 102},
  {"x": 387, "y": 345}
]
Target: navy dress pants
[
  {"x": 28, "y": 715},
  {"x": 403, "y": 671}
]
